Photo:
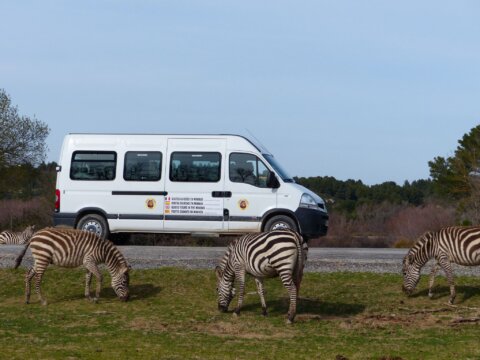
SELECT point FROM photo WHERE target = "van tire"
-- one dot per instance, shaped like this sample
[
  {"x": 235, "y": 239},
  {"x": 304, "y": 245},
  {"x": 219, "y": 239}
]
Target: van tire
[
  {"x": 94, "y": 223},
  {"x": 280, "y": 222}
]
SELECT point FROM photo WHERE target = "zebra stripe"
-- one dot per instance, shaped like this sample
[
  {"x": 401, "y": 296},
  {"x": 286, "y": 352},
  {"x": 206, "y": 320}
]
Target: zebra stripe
[
  {"x": 17, "y": 238},
  {"x": 455, "y": 244},
  {"x": 72, "y": 248},
  {"x": 263, "y": 255}
]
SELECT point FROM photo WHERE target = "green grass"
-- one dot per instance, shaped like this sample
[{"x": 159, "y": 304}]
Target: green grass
[{"x": 173, "y": 315}]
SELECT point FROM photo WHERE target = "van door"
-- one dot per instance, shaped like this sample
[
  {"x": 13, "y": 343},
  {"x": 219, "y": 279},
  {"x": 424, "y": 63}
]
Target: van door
[
  {"x": 195, "y": 185},
  {"x": 138, "y": 198},
  {"x": 247, "y": 177}
]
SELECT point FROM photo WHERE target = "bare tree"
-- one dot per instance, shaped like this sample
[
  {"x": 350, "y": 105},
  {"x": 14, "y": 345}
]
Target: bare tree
[{"x": 22, "y": 139}]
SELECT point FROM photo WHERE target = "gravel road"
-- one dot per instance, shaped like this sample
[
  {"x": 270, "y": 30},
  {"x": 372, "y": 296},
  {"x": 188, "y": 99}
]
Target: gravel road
[{"x": 319, "y": 259}]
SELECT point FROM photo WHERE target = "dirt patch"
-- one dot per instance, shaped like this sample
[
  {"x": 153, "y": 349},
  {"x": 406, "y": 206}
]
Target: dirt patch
[
  {"x": 147, "y": 325},
  {"x": 221, "y": 329},
  {"x": 341, "y": 357},
  {"x": 380, "y": 321},
  {"x": 383, "y": 321},
  {"x": 244, "y": 331}
]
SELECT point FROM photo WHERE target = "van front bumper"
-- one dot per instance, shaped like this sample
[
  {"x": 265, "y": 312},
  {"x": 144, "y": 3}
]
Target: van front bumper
[
  {"x": 64, "y": 219},
  {"x": 313, "y": 223}
]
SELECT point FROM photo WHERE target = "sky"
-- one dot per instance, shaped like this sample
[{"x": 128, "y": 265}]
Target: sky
[{"x": 365, "y": 90}]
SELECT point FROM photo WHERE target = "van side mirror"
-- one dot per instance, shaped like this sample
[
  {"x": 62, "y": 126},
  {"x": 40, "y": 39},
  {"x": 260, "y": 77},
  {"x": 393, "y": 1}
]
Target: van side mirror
[{"x": 272, "y": 181}]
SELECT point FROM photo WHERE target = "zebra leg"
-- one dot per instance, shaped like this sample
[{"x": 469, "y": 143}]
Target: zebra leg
[
  {"x": 240, "y": 276},
  {"x": 432, "y": 280},
  {"x": 261, "y": 293},
  {"x": 88, "y": 281},
  {"x": 38, "y": 289},
  {"x": 447, "y": 268},
  {"x": 28, "y": 279},
  {"x": 287, "y": 281},
  {"x": 93, "y": 269}
]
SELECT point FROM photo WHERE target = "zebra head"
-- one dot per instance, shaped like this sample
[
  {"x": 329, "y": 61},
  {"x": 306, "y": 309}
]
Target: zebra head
[
  {"x": 120, "y": 282},
  {"x": 29, "y": 231},
  {"x": 225, "y": 290},
  {"x": 411, "y": 274}
]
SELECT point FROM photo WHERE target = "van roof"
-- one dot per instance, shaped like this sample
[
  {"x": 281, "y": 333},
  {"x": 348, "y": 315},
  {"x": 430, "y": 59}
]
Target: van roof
[{"x": 252, "y": 140}]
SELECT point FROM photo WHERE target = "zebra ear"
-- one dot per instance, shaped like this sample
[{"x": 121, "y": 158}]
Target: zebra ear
[{"x": 218, "y": 272}]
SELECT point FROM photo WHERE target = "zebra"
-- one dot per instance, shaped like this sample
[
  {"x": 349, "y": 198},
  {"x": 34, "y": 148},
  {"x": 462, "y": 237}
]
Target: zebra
[
  {"x": 455, "y": 244},
  {"x": 263, "y": 255},
  {"x": 17, "y": 238},
  {"x": 71, "y": 248}
]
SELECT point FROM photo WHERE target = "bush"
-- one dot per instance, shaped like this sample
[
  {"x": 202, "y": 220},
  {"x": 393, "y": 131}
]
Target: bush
[
  {"x": 403, "y": 243},
  {"x": 17, "y": 214},
  {"x": 411, "y": 222},
  {"x": 385, "y": 225}
]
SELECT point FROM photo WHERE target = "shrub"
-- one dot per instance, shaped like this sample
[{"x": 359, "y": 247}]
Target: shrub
[{"x": 17, "y": 214}]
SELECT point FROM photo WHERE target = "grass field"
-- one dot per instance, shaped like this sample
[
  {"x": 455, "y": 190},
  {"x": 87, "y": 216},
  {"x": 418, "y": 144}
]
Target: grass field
[{"x": 173, "y": 315}]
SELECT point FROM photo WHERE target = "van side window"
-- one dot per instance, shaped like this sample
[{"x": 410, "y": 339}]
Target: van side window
[
  {"x": 195, "y": 166},
  {"x": 248, "y": 169},
  {"x": 142, "y": 166},
  {"x": 93, "y": 165}
]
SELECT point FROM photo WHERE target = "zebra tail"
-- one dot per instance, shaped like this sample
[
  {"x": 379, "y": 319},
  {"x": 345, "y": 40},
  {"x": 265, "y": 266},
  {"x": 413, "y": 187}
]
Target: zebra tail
[
  {"x": 298, "y": 272},
  {"x": 19, "y": 258}
]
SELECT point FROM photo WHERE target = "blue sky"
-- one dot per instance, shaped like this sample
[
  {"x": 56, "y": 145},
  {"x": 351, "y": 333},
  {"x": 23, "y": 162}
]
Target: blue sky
[{"x": 368, "y": 90}]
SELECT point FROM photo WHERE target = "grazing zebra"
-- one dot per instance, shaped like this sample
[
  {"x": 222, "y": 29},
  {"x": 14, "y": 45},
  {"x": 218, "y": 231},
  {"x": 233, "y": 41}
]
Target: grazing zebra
[
  {"x": 17, "y": 238},
  {"x": 72, "y": 248},
  {"x": 459, "y": 245},
  {"x": 263, "y": 255}
]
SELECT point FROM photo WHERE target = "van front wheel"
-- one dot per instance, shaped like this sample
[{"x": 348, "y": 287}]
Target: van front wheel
[
  {"x": 280, "y": 222},
  {"x": 94, "y": 223}
]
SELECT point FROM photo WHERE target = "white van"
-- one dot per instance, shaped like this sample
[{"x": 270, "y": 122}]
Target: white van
[{"x": 196, "y": 184}]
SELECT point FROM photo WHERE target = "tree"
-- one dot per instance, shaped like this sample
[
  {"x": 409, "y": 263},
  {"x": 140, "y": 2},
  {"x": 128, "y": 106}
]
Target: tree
[
  {"x": 22, "y": 139},
  {"x": 458, "y": 177}
]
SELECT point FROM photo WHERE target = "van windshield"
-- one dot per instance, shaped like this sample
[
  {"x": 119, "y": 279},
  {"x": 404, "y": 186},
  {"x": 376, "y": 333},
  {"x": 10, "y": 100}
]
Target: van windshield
[{"x": 278, "y": 168}]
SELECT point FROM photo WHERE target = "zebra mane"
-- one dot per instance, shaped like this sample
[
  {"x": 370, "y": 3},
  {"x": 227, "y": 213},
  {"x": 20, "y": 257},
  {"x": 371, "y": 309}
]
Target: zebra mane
[
  {"x": 226, "y": 259},
  {"x": 122, "y": 261},
  {"x": 420, "y": 252}
]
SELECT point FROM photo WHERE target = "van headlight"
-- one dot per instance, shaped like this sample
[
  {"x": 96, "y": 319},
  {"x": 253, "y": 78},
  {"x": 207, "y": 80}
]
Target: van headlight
[{"x": 307, "y": 201}]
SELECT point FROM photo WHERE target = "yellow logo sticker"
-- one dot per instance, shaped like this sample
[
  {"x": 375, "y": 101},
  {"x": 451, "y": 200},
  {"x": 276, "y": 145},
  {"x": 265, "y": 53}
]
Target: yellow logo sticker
[
  {"x": 243, "y": 204},
  {"x": 150, "y": 203}
]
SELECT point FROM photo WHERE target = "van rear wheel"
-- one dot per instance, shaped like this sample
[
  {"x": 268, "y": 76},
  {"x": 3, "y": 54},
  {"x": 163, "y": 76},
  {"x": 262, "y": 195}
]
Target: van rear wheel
[
  {"x": 94, "y": 223},
  {"x": 280, "y": 222}
]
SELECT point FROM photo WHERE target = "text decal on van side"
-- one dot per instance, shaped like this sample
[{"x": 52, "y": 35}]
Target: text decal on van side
[{"x": 179, "y": 204}]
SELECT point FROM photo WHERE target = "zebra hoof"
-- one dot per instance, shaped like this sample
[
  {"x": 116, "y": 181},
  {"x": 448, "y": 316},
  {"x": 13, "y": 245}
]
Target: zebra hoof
[
  {"x": 289, "y": 322},
  {"x": 235, "y": 314},
  {"x": 430, "y": 295},
  {"x": 290, "y": 318}
]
